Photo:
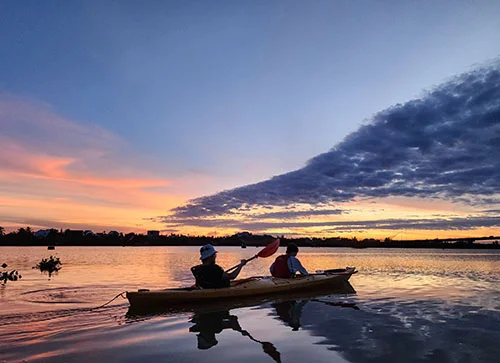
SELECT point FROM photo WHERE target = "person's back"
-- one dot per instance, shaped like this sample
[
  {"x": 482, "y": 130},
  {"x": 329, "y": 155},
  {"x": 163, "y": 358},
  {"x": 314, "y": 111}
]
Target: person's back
[
  {"x": 285, "y": 266},
  {"x": 280, "y": 267},
  {"x": 209, "y": 275}
]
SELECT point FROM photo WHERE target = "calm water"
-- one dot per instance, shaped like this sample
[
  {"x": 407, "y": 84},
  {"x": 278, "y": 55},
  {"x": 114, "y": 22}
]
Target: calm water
[{"x": 409, "y": 306}]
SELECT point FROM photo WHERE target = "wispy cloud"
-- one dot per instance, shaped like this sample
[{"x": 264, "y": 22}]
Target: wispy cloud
[
  {"x": 56, "y": 170},
  {"x": 300, "y": 213},
  {"x": 443, "y": 145}
]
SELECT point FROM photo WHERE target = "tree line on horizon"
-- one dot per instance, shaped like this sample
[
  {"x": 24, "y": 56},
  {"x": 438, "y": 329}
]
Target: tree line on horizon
[{"x": 54, "y": 237}]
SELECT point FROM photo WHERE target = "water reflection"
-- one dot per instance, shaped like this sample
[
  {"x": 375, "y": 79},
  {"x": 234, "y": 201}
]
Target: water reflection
[
  {"x": 391, "y": 331},
  {"x": 395, "y": 331},
  {"x": 207, "y": 325},
  {"x": 290, "y": 312}
]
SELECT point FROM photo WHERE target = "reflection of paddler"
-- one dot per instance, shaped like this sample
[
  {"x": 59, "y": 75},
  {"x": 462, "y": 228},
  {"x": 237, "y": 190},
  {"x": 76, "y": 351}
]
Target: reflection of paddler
[
  {"x": 290, "y": 312},
  {"x": 209, "y": 324}
]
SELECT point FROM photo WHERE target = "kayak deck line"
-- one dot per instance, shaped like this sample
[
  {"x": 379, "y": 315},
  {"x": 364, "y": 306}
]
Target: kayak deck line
[{"x": 252, "y": 286}]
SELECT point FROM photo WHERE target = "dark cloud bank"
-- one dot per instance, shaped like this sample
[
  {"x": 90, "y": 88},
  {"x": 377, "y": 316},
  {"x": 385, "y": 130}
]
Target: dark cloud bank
[
  {"x": 443, "y": 145},
  {"x": 260, "y": 224}
]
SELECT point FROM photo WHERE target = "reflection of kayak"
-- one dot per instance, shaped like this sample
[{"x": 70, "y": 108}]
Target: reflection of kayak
[{"x": 253, "y": 286}]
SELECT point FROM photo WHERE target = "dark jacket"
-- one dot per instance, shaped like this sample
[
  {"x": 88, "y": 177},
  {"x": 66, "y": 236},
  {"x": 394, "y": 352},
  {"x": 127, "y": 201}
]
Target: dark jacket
[{"x": 209, "y": 276}]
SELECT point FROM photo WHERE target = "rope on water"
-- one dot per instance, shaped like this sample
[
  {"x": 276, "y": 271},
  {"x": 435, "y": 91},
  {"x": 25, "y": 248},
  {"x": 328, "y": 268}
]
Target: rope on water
[{"x": 113, "y": 299}]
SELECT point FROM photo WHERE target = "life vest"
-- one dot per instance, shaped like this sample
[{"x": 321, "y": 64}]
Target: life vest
[{"x": 280, "y": 268}]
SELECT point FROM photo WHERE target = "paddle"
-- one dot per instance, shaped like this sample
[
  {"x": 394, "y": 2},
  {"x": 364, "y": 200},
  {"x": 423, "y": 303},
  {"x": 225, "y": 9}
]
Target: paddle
[
  {"x": 267, "y": 347},
  {"x": 267, "y": 251},
  {"x": 341, "y": 304}
]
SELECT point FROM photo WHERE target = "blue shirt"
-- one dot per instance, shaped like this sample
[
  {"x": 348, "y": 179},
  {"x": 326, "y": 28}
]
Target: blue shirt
[{"x": 294, "y": 266}]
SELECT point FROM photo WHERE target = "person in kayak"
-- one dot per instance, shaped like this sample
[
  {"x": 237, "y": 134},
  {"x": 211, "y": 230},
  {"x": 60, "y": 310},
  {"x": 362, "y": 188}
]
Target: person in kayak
[
  {"x": 286, "y": 266},
  {"x": 209, "y": 275}
]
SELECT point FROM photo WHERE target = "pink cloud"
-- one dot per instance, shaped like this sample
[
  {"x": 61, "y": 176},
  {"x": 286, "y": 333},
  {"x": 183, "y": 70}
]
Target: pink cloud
[
  {"x": 18, "y": 159},
  {"x": 38, "y": 142},
  {"x": 59, "y": 170}
]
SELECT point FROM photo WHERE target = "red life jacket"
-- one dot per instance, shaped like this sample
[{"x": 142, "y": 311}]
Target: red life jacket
[{"x": 280, "y": 268}]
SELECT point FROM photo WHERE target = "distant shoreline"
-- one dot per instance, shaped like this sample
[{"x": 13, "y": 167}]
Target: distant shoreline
[
  {"x": 25, "y": 237},
  {"x": 475, "y": 247}
]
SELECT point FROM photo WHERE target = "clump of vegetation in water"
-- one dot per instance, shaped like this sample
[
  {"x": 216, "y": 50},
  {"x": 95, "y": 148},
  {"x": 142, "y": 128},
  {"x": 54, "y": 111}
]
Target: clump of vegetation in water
[
  {"x": 50, "y": 265},
  {"x": 9, "y": 275}
]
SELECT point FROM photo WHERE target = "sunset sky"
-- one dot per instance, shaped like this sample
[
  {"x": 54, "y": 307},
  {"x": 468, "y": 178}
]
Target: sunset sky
[{"x": 304, "y": 118}]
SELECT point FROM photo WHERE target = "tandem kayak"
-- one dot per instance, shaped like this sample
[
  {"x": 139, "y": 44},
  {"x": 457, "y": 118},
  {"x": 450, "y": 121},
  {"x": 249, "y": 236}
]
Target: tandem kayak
[{"x": 240, "y": 289}]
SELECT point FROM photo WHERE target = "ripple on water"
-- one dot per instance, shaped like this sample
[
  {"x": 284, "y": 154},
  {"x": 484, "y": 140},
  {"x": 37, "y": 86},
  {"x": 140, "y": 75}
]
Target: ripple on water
[{"x": 76, "y": 295}]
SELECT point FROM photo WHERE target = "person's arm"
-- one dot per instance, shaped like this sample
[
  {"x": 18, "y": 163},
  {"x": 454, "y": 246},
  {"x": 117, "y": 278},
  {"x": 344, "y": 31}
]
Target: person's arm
[
  {"x": 194, "y": 271},
  {"x": 235, "y": 273},
  {"x": 295, "y": 266}
]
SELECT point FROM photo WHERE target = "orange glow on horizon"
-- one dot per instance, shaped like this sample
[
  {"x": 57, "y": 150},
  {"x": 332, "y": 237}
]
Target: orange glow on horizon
[{"x": 78, "y": 176}]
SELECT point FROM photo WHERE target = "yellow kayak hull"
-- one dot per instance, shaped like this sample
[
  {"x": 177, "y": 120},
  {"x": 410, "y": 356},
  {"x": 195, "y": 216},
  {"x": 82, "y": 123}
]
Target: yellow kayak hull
[{"x": 254, "y": 286}]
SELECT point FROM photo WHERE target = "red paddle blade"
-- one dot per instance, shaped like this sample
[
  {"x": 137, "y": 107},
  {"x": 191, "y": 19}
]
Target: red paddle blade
[{"x": 270, "y": 249}]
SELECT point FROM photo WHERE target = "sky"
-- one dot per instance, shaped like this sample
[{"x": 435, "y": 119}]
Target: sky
[{"x": 321, "y": 118}]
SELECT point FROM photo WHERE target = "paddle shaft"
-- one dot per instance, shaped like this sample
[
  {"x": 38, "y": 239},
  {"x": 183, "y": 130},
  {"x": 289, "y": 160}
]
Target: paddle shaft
[
  {"x": 341, "y": 304},
  {"x": 238, "y": 265},
  {"x": 269, "y": 250}
]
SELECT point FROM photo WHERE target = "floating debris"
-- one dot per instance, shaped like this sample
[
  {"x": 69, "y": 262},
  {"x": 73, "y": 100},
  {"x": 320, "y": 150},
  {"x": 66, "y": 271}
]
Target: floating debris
[
  {"x": 9, "y": 275},
  {"x": 50, "y": 265}
]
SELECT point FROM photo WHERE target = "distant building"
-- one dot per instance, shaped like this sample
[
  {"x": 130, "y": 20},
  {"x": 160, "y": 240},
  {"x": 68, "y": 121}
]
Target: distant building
[
  {"x": 153, "y": 234},
  {"x": 88, "y": 233}
]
